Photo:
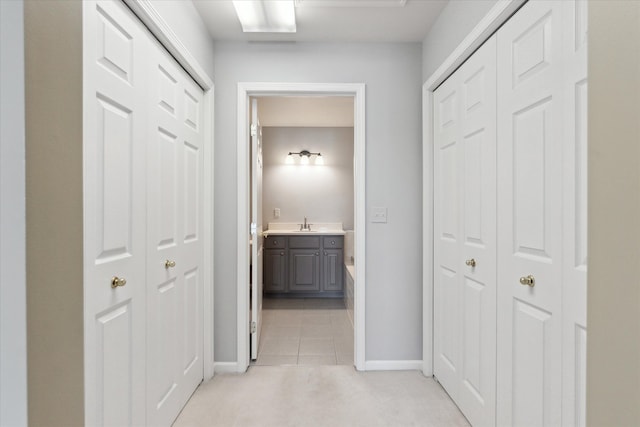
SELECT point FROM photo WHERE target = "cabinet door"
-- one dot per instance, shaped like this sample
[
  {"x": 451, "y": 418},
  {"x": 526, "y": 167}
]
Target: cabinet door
[
  {"x": 275, "y": 270},
  {"x": 530, "y": 145},
  {"x": 332, "y": 270},
  {"x": 304, "y": 270}
]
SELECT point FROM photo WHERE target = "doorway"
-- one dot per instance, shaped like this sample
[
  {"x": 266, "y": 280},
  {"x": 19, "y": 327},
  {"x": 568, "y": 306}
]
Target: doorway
[{"x": 247, "y": 235}]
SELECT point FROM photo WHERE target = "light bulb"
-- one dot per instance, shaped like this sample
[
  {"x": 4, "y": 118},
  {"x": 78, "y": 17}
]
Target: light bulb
[
  {"x": 289, "y": 159},
  {"x": 304, "y": 160},
  {"x": 319, "y": 160}
]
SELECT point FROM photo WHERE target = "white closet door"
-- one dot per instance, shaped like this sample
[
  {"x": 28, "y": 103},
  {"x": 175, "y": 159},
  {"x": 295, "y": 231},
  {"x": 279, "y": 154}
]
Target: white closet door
[
  {"x": 574, "y": 302},
  {"x": 114, "y": 213},
  {"x": 174, "y": 203},
  {"x": 465, "y": 282},
  {"x": 530, "y": 145},
  {"x": 257, "y": 250},
  {"x": 446, "y": 290}
]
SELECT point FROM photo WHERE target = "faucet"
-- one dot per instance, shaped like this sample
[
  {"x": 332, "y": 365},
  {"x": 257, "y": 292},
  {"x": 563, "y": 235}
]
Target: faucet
[{"x": 305, "y": 226}]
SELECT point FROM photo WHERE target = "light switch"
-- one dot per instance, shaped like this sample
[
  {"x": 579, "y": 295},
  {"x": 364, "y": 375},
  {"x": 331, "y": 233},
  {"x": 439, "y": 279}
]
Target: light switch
[
  {"x": 276, "y": 213},
  {"x": 379, "y": 215}
]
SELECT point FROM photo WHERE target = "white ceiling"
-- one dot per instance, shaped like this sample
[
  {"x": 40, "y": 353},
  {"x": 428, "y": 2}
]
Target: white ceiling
[
  {"x": 333, "y": 21},
  {"x": 298, "y": 111}
]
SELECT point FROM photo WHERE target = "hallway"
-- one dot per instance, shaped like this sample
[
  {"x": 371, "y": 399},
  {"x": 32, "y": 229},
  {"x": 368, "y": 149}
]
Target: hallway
[{"x": 320, "y": 396}]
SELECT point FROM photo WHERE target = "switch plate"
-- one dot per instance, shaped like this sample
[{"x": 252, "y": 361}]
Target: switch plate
[
  {"x": 276, "y": 213},
  {"x": 379, "y": 215}
]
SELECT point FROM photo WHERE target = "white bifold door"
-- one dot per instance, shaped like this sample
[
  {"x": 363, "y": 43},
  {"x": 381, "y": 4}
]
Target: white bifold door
[
  {"x": 530, "y": 138},
  {"x": 143, "y": 223},
  {"x": 510, "y": 221},
  {"x": 115, "y": 221},
  {"x": 174, "y": 241},
  {"x": 542, "y": 181},
  {"x": 465, "y": 235}
]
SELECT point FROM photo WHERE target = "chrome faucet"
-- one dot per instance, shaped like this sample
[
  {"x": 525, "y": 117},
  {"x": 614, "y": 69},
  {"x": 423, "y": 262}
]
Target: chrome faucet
[{"x": 305, "y": 226}]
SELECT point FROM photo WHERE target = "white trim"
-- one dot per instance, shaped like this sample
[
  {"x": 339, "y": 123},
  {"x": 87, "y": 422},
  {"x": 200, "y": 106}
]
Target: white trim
[
  {"x": 226, "y": 368},
  {"x": 146, "y": 12},
  {"x": 393, "y": 365},
  {"x": 427, "y": 230},
  {"x": 208, "y": 271},
  {"x": 497, "y": 16},
  {"x": 312, "y": 89}
]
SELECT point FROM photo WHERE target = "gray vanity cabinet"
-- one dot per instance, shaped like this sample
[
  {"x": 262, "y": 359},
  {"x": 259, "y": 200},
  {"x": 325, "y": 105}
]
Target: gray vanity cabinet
[
  {"x": 304, "y": 270},
  {"x": 332, "y": 270},
  {"x": 275, "y": 267},
  {"x": 305, "y": 265},
  {"x": 275, "y": 270}
]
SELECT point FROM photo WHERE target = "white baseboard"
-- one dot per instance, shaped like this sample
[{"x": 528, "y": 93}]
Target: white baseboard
[
  {"x": 225, "y": 367},
  {"x": 393, "y": 365}
]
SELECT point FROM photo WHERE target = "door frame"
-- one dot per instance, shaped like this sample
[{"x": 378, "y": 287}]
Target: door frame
[
  {"x": 497, "y": 16},
  {"x": 246, "y": 90},
  {"x": 146, "y": 12}
]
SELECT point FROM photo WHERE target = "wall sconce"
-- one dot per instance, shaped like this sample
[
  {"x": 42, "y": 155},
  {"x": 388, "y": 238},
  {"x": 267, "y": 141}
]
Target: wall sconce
[{"x": 304, "y": 158}]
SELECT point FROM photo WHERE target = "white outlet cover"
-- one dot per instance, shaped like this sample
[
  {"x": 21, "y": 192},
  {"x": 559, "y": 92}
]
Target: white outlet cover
[
  {"x": 276, "y": 212},
  {"x": 379, "y": 215}
]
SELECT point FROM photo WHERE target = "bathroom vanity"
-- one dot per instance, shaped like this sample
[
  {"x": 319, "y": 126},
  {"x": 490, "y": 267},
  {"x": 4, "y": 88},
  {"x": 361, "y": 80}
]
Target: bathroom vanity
[{"x": 304, "y": 263}]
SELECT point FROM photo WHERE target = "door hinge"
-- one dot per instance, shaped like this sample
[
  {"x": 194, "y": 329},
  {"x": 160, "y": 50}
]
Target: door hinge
[
  {"x": 254, "y": 327},
  {"x": 254, "y": 130},
  {"x": 253, "y": 228}
]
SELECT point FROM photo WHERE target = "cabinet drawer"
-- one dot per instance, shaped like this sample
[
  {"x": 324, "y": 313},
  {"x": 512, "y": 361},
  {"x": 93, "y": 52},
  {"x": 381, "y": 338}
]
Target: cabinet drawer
[
  {"x": 332, "y": 242},
  {"x": 275, "y": 242},
  {"x": 306, "y": 242}
]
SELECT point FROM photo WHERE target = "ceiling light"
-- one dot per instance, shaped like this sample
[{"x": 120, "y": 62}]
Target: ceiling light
[
  {"x": 319, "y": 160},
  {"x": 289, "y": 160},
  {"x": 266, "y": 16}
]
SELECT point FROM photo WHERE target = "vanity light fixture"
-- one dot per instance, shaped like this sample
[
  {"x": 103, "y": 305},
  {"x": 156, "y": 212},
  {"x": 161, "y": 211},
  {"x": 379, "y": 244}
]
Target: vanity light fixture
[
  {"x": 262, "y": 16},
  {"x": 305, "y": 155}
]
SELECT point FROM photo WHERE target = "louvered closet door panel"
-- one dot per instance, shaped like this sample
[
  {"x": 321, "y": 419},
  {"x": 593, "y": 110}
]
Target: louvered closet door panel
[
  {"x": 447, "y": 233},
  {"x": 174, "y": 203},
  {"x": 574, "y": 303},
  {"x": 465, "y": 198},
  {"x": 114, "y": 215},
  {"x": 530, "y": 140}
]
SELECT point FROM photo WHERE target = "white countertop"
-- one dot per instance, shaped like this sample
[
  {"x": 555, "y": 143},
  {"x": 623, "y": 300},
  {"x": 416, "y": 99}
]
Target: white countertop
[{"x": 317, "y": 229}]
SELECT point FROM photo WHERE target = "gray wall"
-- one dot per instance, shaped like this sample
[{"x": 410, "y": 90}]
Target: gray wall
[
  {"x": 613, "y": 307},
  {"x": 13, "y": 306},
  {"x": 392, "y": 74},
  {"x": 321, "y": 193},
  {"x": 185, "y": 21},
  {"x": 457, "y": 19}
]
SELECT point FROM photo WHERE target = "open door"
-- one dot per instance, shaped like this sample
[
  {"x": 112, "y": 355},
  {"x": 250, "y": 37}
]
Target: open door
[{"x": 256, "y": 229}]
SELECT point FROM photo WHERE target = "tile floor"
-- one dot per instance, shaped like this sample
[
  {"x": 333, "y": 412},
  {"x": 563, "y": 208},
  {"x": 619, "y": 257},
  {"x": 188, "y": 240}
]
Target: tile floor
[{"x": 305, "y": 331}]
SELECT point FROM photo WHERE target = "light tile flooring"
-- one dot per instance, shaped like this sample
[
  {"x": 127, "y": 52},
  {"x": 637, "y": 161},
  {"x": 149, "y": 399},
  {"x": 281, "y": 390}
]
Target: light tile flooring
[{"x": 305, "y": 331}]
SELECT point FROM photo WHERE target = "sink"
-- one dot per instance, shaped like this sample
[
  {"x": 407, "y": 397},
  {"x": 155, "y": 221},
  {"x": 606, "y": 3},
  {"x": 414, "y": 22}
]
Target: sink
[{"x": 292, "y": 228}]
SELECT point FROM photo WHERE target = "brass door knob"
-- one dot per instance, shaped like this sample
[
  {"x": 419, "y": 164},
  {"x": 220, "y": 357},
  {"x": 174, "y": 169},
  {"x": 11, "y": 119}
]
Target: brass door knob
[
  {"x": 528, "y": 281},
  {"x": 471, "y": 262},
  {"x": 169, "y": 264},
  {"x": 117, "y": 282}
]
